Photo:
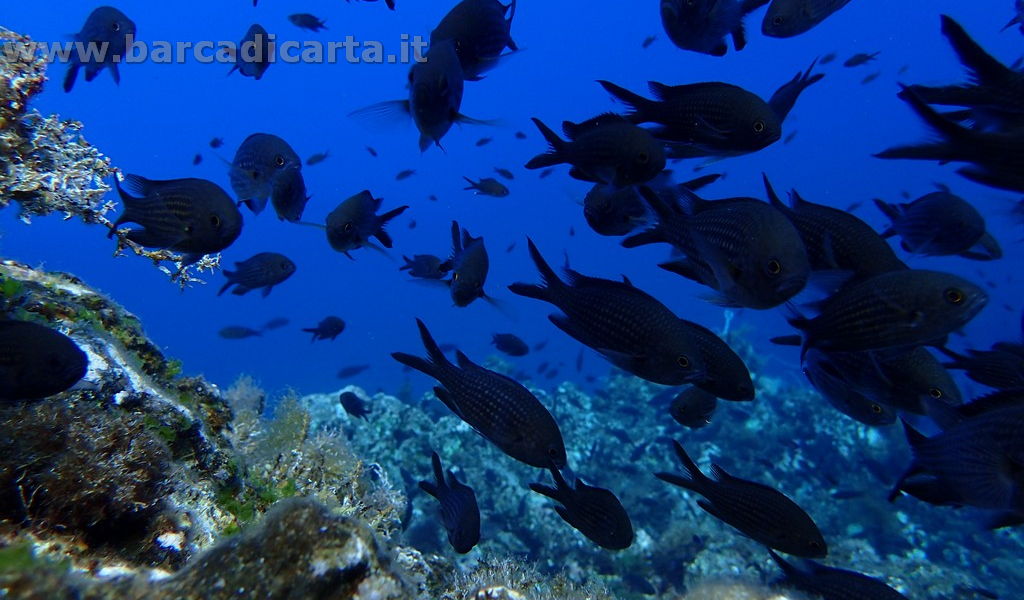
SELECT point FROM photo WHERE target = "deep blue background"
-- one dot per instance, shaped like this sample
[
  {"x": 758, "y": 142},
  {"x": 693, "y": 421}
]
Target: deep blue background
[{"x": 162, "y": 115}]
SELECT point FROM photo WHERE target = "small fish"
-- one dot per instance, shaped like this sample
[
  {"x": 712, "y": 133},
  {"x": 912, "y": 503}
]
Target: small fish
[
  {"x": 936, "y": 224},
  {"x": 831, "y": 56},
  {"x": 484, "y": 141},
  {"x": 197, "y": 160},
  {"x": 37, "y": 362},
  {"x": 329, "y": 328},
  {"x": 255, "y": 61},
  {"x": 510, "y": 344},
  {"x": 630, "y": 328},
  {"x": 432, "y": 198},
  {"x": 757, "y": 511},
  {"x": 288, "y": 195},
  {"x": 307, "y": 21},
  {"x": 790, "y": 18},
  {"x": 354, "y": 405},
  {"x": 238, "y": 332},
  {"x": 702, "y": 25},
  {"x": 870, "y": 77},
  {"x": 789, "y": 137},
  {"x": 263, "y": 271},
  {"x": 351, "y": 225},
  {"x": 520, "y": 135},
  {"x": 510, "y": 248},
  {"x": 216, "y": 142},
  {"x": 193, "y": 216},
  {"x": 834, "y": 584},
  {"x": 261, "y": 160},
  {"x": 276, "y": 323},
  {"x": 826, "y": 374},
  {"x": 317, "y": 158},
  {"x": 504, "y": 173},
  {"x": 648, "y": 41},
  {"x": 403, "y": 175},
  {"x": 784, "y": 98},
  {"x": 540, "y": 345},
  {"x": 595, "y": 512},
  {"x": 469, "y": 265},
  {"x": 487, "y": 186},
  {"x": 105, "y": 28},
  {"x": 372, "y": 151},
  {"x": 546, "y": 173},
  {"x": 606, "y": 149},
  {"x": 860, "y": 59},
  {"x": 351, "y": 371},
  {"x": 459, "y": 512},
  {"x": 424, "y": 266},
  {"x": 500, "y": 409},
  {"x": 693, "y": 408}
]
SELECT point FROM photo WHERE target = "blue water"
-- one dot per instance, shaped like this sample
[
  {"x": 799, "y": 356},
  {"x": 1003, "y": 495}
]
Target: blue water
[{"x": 162, "y": 115}]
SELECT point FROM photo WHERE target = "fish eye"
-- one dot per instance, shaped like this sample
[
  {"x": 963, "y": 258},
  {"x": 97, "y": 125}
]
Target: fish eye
[
  {"x": 815, "y": 544},
  {"x": 935, "y": 393},
  {"x": 455, "y": 276},
  {"x": 954, "y": 296},
  {"x": 643, "y": 158},
  {"x": 117, "y": 26},
  {"x": 279, "y": 160},
  {"x": 552, "y": 452},
  {"x": 777, "y": 20},
  {"x": 347, "y": 228},
  {"x": 876, "y": 408},
  {"x": 683, "y": 361},
  {"x": 774, "y": 267},
  {"x": 758, "y": 126}
]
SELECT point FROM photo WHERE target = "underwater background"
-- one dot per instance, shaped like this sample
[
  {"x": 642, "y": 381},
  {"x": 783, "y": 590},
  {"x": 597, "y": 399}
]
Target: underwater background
[{"x": 161, "y": 116}]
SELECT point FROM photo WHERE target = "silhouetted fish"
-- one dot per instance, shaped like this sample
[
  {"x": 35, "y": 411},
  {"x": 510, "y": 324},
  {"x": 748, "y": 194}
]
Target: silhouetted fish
[
  {"x": 328, "y": 328},
  {"x": 834, "y": 584},
  {"x": 459, "y": 512},
  {"x": 595, "y": 512},
  {"x": 354, "y": 405},
  {"x": 351, "y": 225},
  {"x": 510, "y": 344},
  {"x": 107, "y": 29},
  {"x": 263, "y": 271},
  {"x": 37, "y": 361}
]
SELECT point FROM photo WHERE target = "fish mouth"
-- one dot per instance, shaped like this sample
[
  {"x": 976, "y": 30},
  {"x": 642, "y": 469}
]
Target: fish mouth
[
  {"x": 788, "y": 288},
  {"x": 975, "y": 305}
]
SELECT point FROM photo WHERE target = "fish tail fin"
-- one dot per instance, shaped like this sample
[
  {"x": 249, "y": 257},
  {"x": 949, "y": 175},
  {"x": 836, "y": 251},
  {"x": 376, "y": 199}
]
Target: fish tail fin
[
  {"x": 549, "y": 278},
  {"x": 773, "y": 197},
  {"x": 701, "y": 182},
  {"x": 435, "y": 488},
  {"x": 382, "y": 221},
  {"x": 695, "y": 479},
  {"x": 456, "y": 241},
  {"x": 984, "y": 68},
  {"x": 71, "y": 76},
  {"x": 230, "y": 275},
  {"x": 472, "y": 184},
  {"x": 933, "y": 118},
  {"x": 435, "y": 359},
  {"x": 636, "y": 103},
  {"x": 785, "y": 565},
  {"x": 554, "y": 155}
]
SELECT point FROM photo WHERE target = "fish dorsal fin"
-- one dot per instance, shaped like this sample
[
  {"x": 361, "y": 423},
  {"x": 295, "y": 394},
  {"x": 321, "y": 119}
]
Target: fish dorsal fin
[
  {"x": 464, "y": 361},
  {"x": 574, "y": 130},
  {"x": 668, "y": 92}
]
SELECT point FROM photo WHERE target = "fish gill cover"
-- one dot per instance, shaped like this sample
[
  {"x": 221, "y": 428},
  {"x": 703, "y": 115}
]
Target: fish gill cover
[{"x": 773, "y": 242}]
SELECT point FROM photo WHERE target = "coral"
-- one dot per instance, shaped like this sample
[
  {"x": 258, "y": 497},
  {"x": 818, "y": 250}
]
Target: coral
[
  {"x": 732, "y": 590},
  {"x": 47, "y": 167}
]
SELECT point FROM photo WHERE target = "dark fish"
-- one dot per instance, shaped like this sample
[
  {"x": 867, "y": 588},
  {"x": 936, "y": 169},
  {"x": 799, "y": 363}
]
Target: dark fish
[
  {"x": 351, "y": 225},
  {"x": 262, "y": 271},
  {"x": 469, "y": 265},
  {"x": 105, "y": 28},
  {"x": 706, "y": 119},
  {"x": 893, "y": 310},
  {"x": 648, "y": 41},
  {"x": 404, "y": 174},
  {"x": 510, "y": 248},
  {"x": 757, "y": 511},
  {"x": 744, "y": 249},
  {"x": 520, "y": 135},
  {"x": 1018, "y": 19},
  {"x": 834, "y": 239},
  {"x": 289, "y": 195},
  {"x": 846, "y": 494},
  {"x": 329, "y": 328},
  {"x": 479, "y": 30},
  {"x": 579, "y": 361},
  {"x": 789, "y": 18},
  {"x": 789, "y": 137},
  {"x": 936, "y": 224},
  {"x": 540, "y": 345},
  {"x": 510, "y": 344},
  {"x": 37, "y": 362},
  {"x": 372, "y": 151},
  {"x": 614, "y": 211},
  {"x": 259, "y": 164},
  {"x": 693, "y": 408},
  {"x": 459, "y": 512},
  {"x": 834, "y": 584},
  {"x": 255, "y": 53},
  {"x": 860, "y": 59},
  {"x": 317, "y": 158},
  {"x": 487, "y": 186},
  {"x": 606, "y": 149},
  {"x": 831, "y": 56},
  {"x": 197, "y": 160},
  {"x": 870, "y": 77},
  {"x": 390, "y": 3},
  {"x": 238, "y": 332},
  {"x": 424, "y": 266},
  {"x": 499, "y": 408},
  {"x": 276, "y": 323},
  {"x": 826, "y": 373},
  {"x": 908, "y": 380},
  {"x": 351, "y": 371},
  {"x": 504, "y": 173},
  {"x": 354, "y": 405},
  {"x": 1002, "y": 367},
  {"x": 192, "y": 216},
  {"x": 307, "y": 21},
  {"x": 546, "y": 173},
  {"x": 702, "y": 25},
  {"x": 784, "y": 98},
  {"x": 726, "y": 375},
  {"x": 542, "y": 367},
  {"x": 595, "y": 512},
  {"x": 484, "y": 141},
  {"x": 630, "y": 328},
  {"x": 432, "y": 198},
  {"x": 216, "y": 142}
]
